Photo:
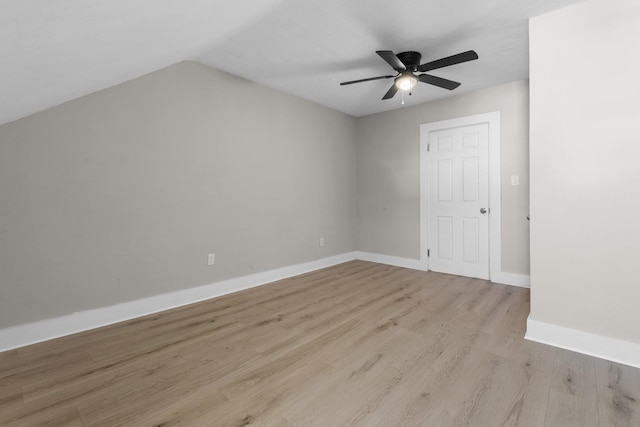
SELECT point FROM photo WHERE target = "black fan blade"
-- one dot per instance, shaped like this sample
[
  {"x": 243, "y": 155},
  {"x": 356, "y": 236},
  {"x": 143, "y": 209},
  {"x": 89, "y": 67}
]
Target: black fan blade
[
  {"x": 391, "y": 92},
  {"x": 469, "y": 55},
  {"x": 438, "y": 81},
  {"x": 365, "y": 80},
  {"x": 391, "y": 59}
]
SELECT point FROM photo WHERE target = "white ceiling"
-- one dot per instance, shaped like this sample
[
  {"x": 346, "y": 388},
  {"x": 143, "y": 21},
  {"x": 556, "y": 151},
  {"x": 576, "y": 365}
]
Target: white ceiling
[{"x": 52, "y": 51}]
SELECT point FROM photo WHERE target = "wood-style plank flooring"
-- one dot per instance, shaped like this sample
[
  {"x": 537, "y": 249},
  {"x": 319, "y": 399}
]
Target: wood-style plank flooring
[{"x": 357, "y": 344}]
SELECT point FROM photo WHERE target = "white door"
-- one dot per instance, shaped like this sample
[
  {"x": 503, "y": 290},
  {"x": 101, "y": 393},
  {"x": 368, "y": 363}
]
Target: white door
[{"x": 458, "y": 180}]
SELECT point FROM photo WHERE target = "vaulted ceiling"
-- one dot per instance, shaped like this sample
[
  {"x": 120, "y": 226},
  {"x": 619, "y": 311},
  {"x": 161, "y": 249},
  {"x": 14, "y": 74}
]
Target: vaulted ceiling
[{"x": 52, "y": 51}]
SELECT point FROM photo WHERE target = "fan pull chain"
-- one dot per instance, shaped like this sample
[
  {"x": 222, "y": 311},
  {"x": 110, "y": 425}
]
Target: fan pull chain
[{"x": 402, "y": 93}]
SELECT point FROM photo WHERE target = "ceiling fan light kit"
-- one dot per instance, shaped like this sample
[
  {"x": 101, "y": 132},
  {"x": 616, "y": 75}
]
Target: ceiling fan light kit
[
  {"x": 406, "y": 81},
  {"x": 407, "y": 64}
]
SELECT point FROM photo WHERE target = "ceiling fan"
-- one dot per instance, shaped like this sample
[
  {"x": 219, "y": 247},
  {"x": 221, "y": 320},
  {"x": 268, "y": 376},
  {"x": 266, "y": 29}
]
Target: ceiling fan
[{"x": 407, "y": 64}]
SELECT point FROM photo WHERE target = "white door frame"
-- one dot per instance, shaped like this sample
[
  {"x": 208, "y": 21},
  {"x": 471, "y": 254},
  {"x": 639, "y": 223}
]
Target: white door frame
[{"x": 495, "y": 233}]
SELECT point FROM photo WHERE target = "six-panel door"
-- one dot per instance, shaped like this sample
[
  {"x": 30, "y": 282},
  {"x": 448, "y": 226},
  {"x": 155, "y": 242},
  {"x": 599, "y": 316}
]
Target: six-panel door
[{"x": 458, "y": 174}]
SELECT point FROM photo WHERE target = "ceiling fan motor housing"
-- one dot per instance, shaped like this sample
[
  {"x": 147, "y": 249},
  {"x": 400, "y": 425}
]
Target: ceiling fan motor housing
[{"x": 410, "y": 59}]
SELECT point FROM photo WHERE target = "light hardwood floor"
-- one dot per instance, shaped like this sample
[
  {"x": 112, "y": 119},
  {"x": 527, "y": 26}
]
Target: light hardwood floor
[{"x": 356, "y": 344}]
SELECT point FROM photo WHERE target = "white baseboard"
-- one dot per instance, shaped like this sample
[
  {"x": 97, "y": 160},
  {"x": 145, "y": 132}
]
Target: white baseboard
[
  {"x": 625, "y": 352},
  {"x": 31, "y": 333},
  {"x": 413, "y": 264},
  {"x": 521, "y": 280}
]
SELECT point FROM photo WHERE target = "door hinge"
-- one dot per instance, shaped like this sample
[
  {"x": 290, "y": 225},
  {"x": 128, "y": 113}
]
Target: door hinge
[
  {"x": 428, "y": 147},
  {"x": 428, "y": 253}
]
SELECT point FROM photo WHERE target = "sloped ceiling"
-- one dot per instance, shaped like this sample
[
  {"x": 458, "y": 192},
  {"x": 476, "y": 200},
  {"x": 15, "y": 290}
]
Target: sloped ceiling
[{"x": 52, "y": 51}]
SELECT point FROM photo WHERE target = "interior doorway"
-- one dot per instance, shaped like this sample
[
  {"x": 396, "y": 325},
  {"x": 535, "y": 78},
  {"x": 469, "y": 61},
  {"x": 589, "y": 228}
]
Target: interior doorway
[{"x": 460, "y": 196}]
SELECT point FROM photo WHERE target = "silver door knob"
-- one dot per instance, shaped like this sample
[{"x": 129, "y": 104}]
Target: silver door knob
[{"x": 483, "y": 210}]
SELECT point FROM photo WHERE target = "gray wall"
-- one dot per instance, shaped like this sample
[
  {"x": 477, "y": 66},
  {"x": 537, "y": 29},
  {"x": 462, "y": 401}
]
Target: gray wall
[
  {"x": 121, "y": 194},
  {"x": 388, "y": 172},
  {"x": 584, "y": 168}
]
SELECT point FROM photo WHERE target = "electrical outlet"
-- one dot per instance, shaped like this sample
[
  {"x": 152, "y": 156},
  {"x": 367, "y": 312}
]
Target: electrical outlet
[
  {"x": 321, "y": 242},
  {"x": 212, "y": 259}
]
